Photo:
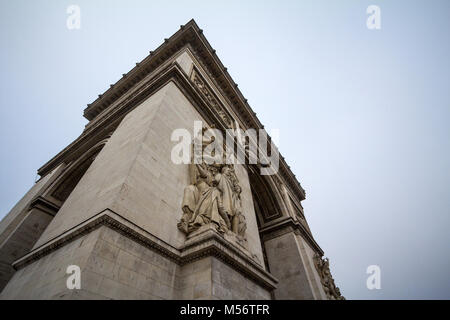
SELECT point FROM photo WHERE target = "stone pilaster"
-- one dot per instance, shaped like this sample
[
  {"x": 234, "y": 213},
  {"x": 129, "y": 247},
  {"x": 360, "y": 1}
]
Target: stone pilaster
[
  {"x": 23, "y": 237},
  {"x": 289, "y": 251}
]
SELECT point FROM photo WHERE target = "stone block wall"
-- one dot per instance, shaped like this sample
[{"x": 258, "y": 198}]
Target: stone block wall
[{"x": 113, "y": 266}]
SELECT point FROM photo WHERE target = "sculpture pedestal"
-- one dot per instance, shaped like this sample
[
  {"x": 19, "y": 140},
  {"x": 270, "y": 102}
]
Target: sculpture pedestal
[
  {"x": 229, "y": 236},
  {"x": 227, "y": 271}
]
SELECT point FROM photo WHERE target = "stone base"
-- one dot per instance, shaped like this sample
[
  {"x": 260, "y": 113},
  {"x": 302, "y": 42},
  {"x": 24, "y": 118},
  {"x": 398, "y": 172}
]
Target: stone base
[
  {"x": 120, "y": 261},
  {"x": 212, "y": 279},
  {"x": 234, "y": 240}
]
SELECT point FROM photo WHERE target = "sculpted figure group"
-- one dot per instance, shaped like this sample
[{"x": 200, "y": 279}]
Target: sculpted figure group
[
  {"x": 323, "y": 268},
  {"x": 214, "y": 195}
]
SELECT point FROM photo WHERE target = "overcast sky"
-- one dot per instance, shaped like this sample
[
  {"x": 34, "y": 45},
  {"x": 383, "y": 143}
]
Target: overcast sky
[{"x": 363, "y": 114}]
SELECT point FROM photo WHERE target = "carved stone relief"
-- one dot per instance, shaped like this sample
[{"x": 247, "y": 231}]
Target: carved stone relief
[
  {"x": 213, "y": 197},
  {"x": 207, "y": 93},
  {"x": 323, "y": 268}
]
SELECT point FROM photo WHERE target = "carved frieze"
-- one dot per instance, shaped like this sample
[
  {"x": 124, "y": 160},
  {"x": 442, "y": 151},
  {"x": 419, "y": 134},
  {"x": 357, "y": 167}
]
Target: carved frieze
[{"x": 207, "y": 93}]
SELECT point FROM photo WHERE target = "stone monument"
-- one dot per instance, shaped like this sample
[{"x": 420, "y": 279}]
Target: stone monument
[{"x": 138, "y": 225}]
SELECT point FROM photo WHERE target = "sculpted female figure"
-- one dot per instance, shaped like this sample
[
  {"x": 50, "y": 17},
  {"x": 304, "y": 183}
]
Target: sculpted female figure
[
  {"x": 201, "y": 180},
  {"x": 203, "y": 199},
  {"x": 210, "y": 207},
  {"x": 213, "y": 197}
]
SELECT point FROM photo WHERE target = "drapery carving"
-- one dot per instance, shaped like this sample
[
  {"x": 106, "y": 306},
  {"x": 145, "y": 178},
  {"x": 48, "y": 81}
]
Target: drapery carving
[
  {"x": 323, "y": 268},
  {"x": 214, "y": 195}
]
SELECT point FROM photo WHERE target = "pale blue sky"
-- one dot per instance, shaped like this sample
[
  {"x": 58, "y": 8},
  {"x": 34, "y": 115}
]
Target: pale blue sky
[{"x": 363, "y": 114}]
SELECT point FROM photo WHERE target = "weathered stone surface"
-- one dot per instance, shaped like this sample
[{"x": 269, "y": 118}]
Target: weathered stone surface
[
  {"x": 115, "y": 267},
  {"x": 286, "y": 264}
]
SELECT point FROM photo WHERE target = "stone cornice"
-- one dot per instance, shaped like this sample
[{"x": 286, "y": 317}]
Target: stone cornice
[
  {"x": 188, "y": 35},
  {"x": 44, "y": 205},
  {"x": 212, "y": 245},
  {"x": 103, "y": 126},
  {"x": 285, "y": 225}
]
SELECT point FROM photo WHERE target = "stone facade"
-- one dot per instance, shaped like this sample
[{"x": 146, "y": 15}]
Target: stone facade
[{"x": 140, "y": 226}]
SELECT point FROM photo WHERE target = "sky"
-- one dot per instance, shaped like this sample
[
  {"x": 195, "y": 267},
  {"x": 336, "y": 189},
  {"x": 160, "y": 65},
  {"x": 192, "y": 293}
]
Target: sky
[{"x": 363, "y": 114}]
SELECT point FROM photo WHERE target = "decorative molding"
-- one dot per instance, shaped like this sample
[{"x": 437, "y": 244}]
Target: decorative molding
[
  {"x": 210, "y": 245},
  {"x": 208, "y": 94},
  {"x": 280, "y": 227},
  {"x": 44, "y": 205}
]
